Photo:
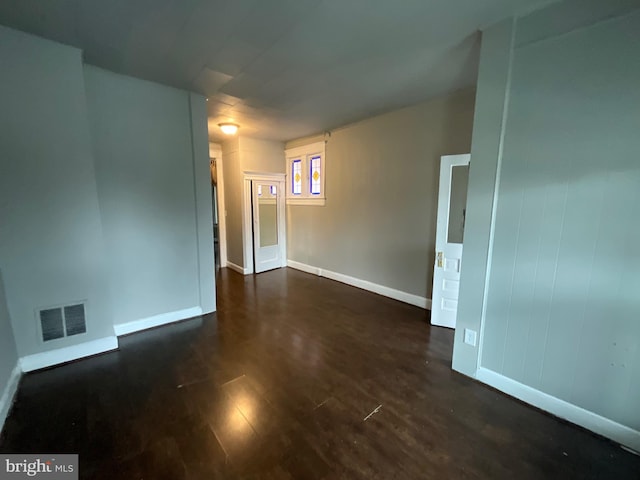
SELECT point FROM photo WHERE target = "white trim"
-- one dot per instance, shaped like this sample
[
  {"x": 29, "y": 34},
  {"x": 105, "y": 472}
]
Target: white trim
[
  {"x": 237, "y": 268},
  {"x": 303, "y": 267},
  {"x": 68, "y": 354},
  {"x": 247, "y": 227},
  {"x": 496, "y": 192},
  {"x": 247, "y": 218},
  {"x": 264, "y": 177},
  {"x": 304, "y": 153},
  {"x": 320, "y": 202},
  {"x": 405, "y": 297},
  {"x": 574, "y": 414},
  {"x": 156, "y": 321},
  {"x": 215, "y": 152},
  {"x": 9, "y": 393}
]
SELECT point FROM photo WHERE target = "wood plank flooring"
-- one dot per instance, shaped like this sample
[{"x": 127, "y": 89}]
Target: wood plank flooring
[{"x": 281, "y": 383}]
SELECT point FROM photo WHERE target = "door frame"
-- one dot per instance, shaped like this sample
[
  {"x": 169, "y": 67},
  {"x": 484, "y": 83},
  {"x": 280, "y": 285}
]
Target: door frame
[
  {"x": 247, "y": 217},
  {"x": 215, "y": 153}
]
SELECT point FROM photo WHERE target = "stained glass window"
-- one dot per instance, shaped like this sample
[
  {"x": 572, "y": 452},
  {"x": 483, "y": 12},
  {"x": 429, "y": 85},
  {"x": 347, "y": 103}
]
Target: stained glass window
[
  {"x": 273, "y": 190},
  {"x": 305, "y": 168},
  {"x": 259, "y": 190},
  {"x": 315, "y": 179},
  {"x": 296, "y": 176}
]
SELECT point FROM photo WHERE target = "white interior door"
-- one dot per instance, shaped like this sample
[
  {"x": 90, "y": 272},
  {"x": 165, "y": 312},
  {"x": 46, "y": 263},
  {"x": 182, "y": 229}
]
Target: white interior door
[
  {"x": 452, "y": 205},
  {"x": 267, "y": 224}
]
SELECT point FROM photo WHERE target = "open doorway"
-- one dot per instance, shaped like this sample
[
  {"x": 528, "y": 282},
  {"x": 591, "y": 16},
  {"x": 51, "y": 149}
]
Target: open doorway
[
  {"x": 218, "y": 204},
  {"x": 214, "y": 201},
  {"x": 264, "y": 222}
]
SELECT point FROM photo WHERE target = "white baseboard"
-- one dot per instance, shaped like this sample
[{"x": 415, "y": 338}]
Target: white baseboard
[
  {"x": 405, "y": 297},
  {"x": 10, "y": 389},
  {"x": 608, "y": 428},
  {"x": 156, "y": 321},
  {"x": 67, "y": 354},
  {"x": 304, "y": 267},
  {"x": 237, "y": 268}
]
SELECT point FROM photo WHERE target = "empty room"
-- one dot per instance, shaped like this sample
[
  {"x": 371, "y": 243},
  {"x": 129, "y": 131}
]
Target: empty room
[{"x": 319, "y": 239}]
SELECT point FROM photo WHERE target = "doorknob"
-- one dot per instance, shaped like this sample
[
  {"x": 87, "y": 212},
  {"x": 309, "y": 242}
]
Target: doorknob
[{"x": 439, "y": 257}]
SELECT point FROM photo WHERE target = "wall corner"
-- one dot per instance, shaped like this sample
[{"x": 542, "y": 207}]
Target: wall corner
[{"x": 203, "y": 202}]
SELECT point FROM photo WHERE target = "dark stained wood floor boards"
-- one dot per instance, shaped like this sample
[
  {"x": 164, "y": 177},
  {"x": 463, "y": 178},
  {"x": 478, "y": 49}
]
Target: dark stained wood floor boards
[{"x": 277, "y": 385}]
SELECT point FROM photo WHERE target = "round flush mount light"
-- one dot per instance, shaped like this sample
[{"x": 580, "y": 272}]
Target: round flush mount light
[{"x": 228, "y": 128}]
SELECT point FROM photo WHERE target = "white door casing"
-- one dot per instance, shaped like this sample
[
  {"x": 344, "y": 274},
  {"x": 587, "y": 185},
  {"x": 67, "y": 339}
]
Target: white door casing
[
  {"x": 266, "y": 247},
  {"x": 260, "y": 257},
  {"x": 215, "y": 152},
  {"x": 449, "y": 235}
]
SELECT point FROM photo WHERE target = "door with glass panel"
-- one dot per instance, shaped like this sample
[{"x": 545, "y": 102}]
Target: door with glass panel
[
  {"x": 267, "y": 225},
  {"x": 452, "y": 206}
]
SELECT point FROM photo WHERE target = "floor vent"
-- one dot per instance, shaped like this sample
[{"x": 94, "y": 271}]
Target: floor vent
[{"x": 62, "y": 322}]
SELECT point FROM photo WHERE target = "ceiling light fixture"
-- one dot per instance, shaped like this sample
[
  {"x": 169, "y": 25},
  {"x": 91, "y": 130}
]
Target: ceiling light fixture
[{"x": 228, "y": 128}]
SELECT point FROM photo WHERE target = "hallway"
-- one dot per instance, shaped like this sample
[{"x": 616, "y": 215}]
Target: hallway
[{"x": 295, "y": 377}]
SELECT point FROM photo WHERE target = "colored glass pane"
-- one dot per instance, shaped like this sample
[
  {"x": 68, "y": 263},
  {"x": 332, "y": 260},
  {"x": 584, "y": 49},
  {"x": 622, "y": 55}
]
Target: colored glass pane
[
  {"x": 315, "y": 181},
  {"x": 296, "y": 176}
]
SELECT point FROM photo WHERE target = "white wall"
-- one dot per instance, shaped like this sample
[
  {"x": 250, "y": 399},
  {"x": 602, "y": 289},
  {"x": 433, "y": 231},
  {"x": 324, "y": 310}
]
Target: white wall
[
  {"x": 203, "y": 202},
  {"x": 8, "y": 350},
  {"x": 239, "y": 155},
  {"x": 142, "y": 142},
  {"x": 117, "y": 215},
  {"x": 51, "y": 247},
  {"x": 379, "y": 220},
  {"x": 264, "y": 156},
  {"x": 550, "y": 265},
  {"x": 232, "y": 171},
  {"x": 8, "y": 357}
]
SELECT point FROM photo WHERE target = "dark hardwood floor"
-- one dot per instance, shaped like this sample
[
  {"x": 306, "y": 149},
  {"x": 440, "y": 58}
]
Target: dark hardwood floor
[{"x": 280, "y": 383}]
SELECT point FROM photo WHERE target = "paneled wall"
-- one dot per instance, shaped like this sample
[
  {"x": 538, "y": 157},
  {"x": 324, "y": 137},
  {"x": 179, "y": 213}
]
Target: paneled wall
[
  {"x": 558, "y": 252},
  {"x": 563, "y": 296}
]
